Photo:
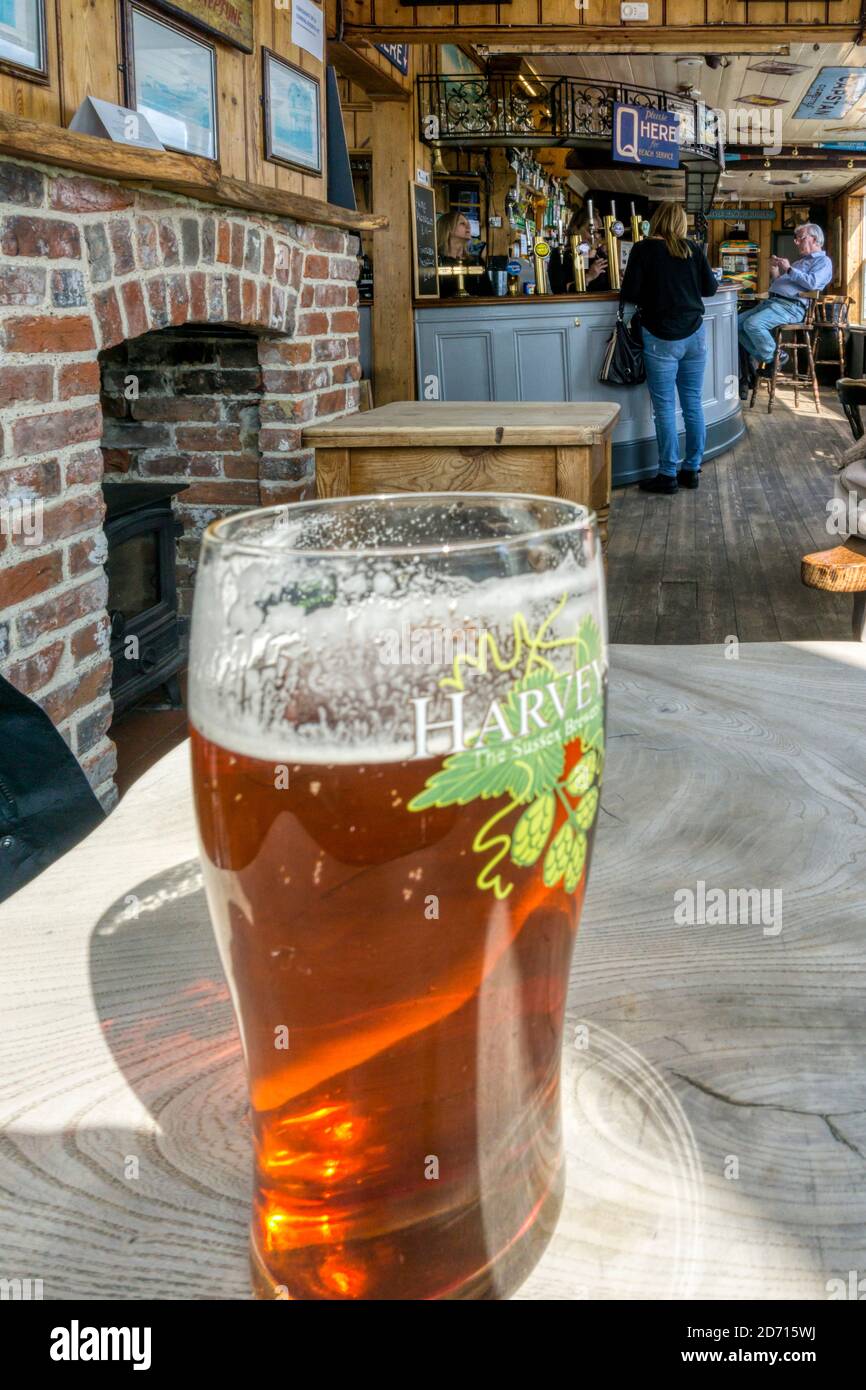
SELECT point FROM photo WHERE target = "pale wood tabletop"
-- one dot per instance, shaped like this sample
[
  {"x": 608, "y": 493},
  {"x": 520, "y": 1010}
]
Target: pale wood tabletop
[
  {"x": 469, "y": 423},
  {"x": 715, "y": 1076}
]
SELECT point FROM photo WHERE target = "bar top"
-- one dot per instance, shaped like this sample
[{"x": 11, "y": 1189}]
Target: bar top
[
  {"x": 404, "y": 423},
  {"x": 486, "y": 300}
]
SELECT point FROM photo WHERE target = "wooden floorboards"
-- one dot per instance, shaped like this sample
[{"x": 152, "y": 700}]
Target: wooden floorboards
[{"x": 724, "y": 560}]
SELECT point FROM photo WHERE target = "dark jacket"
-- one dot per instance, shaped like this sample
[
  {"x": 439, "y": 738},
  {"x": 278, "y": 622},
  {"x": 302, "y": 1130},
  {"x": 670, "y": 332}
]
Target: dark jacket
[
  {"x": 668, "y": 290},
  {"x": 46, "y": 805}
]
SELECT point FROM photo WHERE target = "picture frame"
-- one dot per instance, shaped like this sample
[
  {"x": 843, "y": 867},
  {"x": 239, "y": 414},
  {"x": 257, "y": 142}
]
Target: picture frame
[
  {"x": 292, "y": 115},
  {"x": 23, "y": 40},
  {"x": 794, "y": 215},
  {"x": 171, "y": 77}
]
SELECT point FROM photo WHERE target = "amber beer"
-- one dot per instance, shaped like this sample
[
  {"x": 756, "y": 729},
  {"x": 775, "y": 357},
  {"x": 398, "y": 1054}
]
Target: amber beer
[{"x": 397, "y": 930}]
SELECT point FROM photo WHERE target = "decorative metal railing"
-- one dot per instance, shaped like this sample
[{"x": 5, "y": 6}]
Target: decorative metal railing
[{"x": 501, "y": 110}]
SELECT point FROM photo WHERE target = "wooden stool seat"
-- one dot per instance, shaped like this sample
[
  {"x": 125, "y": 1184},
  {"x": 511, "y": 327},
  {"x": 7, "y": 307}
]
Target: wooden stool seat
[{"x": 841, "y": 570}]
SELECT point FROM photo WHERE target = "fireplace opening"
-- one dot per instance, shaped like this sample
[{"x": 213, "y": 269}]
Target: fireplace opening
[{"x": 181, "y": 418}]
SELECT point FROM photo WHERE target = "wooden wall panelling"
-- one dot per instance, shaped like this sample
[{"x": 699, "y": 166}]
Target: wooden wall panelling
[
  {"x": 89, "y": 49},
  {"x": 393, "y": 345},
  {"x": 232, "y": 73}
]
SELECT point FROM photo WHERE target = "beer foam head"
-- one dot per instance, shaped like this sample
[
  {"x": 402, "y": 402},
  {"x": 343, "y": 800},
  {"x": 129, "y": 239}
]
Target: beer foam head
[{"x": 319, "y": 627}]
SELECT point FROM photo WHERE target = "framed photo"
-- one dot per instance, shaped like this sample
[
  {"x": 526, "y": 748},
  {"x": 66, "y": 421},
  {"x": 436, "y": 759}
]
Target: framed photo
[
  {"x": 22, "y": 39},
  {"x": 794, "y": 215},
  {"x": 293, "y": 118},
  {"x": 171, "y": 79}
]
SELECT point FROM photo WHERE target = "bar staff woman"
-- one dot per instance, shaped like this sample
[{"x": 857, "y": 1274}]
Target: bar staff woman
[{"x": 453, "y": 235}]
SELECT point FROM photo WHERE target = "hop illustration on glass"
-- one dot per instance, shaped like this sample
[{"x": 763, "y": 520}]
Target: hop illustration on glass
[{"x": 406, "y": 906}]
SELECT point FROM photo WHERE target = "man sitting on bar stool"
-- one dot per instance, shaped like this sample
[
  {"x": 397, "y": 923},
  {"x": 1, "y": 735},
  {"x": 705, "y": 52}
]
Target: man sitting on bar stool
[{"x": 811, "y": 271}]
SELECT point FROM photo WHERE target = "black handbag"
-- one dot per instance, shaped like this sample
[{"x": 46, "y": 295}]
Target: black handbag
[{"x": 623, "y": 363}]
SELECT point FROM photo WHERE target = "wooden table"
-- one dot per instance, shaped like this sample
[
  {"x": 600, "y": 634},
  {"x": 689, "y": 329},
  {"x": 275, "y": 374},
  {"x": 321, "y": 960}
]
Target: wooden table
[
  {"x": 557, "y": 449},
  {"x": 715, "y": 1076}
]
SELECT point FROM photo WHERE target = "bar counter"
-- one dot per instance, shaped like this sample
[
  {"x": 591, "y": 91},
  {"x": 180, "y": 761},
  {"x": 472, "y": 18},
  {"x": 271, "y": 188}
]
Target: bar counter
[{"x": 551, "y": 349}]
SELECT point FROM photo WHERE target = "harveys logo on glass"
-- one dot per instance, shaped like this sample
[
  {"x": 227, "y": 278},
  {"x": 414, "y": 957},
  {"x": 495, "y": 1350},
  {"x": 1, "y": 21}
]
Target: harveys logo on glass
[{"x": 539, "y": 750}]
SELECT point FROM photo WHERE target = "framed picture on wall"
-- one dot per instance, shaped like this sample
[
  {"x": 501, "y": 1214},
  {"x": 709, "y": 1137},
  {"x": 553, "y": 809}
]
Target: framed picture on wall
[
  {"x": 293, "y": 117},
  {"x": 794, "y": 215},
  {"x": 22, "y": 39},
  {"x": 171, "y": 79}
]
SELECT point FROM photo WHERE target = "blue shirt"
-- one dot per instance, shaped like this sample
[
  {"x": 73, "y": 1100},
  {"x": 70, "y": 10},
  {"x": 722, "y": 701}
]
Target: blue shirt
[{"x": 808, "y": 273}]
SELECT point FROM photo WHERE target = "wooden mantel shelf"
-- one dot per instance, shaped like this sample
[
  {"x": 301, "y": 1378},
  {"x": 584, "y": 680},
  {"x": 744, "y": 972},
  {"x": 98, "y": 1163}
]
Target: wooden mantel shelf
[{"x": 189, "y": 175}]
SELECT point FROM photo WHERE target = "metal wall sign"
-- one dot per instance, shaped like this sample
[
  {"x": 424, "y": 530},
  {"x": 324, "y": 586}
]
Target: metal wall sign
[
  {"x": 397, "y": 55},
  {"x": 832, "y": 94},
  {"x": 645, "y": 136},
  {"x": 740, "y": 214}
]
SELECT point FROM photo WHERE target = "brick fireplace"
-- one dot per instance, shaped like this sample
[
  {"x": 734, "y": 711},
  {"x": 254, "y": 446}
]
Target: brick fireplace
[{"x": 145, "y": 336}]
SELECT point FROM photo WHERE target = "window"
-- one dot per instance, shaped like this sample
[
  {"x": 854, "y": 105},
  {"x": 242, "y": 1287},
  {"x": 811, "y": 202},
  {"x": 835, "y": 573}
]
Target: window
[{"x": 171, "y": 79}]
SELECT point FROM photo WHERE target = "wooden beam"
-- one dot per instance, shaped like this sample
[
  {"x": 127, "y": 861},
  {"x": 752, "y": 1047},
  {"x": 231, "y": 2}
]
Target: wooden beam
[
  {"x": 393, "y": 335},
  {"x": 714, "y": 38},
  {"x": 174, "y": 173},
  {"x": 90, "y": 154}
]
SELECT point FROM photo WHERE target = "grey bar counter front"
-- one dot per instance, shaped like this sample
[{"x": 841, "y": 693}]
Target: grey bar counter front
[{"x": 551, "y": 349}]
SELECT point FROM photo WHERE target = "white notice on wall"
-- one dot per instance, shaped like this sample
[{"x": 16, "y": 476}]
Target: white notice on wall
[{"x": 308, "y": 27}]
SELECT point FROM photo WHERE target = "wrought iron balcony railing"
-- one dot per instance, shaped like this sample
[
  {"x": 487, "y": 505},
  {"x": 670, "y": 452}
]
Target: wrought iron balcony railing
[{"x": 501, "y": 110}]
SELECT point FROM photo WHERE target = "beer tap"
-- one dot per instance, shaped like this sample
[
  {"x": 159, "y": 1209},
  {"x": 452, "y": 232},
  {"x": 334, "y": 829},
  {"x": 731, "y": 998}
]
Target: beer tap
[
  {"x": 636, "y": 232},
  {"x": 612, "y": 230}
]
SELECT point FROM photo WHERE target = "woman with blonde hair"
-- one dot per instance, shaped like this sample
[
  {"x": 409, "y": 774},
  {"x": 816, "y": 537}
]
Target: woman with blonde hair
[
  {"x": 453, "y": 235},
  {"x": 668, "y": 277}
]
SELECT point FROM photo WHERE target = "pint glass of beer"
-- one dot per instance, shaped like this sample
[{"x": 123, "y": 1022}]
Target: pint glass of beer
[{"x": 397, "y": 709}]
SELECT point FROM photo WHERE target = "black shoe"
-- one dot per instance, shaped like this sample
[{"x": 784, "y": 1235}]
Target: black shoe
[
  {"x": 745, "y": 391},
  {"x": 662, "y": 482},
  {"x": 689, "y": 477}
]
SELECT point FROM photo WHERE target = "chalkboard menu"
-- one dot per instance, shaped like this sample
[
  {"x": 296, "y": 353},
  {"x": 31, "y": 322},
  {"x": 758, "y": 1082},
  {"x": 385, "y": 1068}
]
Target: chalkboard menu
[{"x": 424, "y": 242}]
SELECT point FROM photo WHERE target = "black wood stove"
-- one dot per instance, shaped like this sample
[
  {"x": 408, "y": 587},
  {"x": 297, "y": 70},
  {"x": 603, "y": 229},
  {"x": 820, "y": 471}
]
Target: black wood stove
[{"x": 147, "y": 645}]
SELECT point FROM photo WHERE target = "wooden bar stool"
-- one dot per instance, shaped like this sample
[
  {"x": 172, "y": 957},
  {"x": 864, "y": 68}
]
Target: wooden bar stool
[
  {"x": 831, "y": 315},
  {"x": 793, "y": 338},
  {"x": 841, "y": 570}
]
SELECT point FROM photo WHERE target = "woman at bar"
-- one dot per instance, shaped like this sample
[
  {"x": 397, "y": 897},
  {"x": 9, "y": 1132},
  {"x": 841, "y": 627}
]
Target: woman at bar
[
  {"x": 453, "y": 235},
  {"x": 668, "y": 277},
  {"x": 596, "y": 271}
]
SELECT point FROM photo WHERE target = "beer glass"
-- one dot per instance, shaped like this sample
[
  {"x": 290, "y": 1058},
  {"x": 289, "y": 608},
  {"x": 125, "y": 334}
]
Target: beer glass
[{"x": 397, "y": 708}]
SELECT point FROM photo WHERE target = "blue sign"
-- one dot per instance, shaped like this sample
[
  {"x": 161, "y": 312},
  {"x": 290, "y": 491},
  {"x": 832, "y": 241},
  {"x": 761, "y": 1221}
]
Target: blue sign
[
  {"x": 513, "y": 267},
  {"x": 854, "y": 145},
  {"x": 397, "y": 55},
  {"x": 644, "y": 136},
  {"x": 832, "y": 94}
]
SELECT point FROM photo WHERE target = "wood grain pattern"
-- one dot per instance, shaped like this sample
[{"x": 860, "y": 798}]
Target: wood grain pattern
[
  {"x": 187, "y": 174},
  {"x": 471, "y": 469},
  {"x": 332, "y": 472},
  {"x": 469, "y": 422},
  {"x": 391, "y": 131},
  {"x": 841, "y": 570},
  {"x": 724, "y": 560},
  {"x": 686, "y": 1046}
]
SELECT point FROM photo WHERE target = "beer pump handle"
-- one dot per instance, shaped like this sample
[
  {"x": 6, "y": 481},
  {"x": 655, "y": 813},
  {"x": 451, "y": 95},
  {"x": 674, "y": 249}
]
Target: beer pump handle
[{"x": 579, "y": 267}]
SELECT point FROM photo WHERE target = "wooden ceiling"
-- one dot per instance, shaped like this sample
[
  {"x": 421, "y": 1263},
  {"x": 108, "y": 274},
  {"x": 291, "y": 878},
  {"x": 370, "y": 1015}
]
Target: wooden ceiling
[{"x": 728, "y": 87}]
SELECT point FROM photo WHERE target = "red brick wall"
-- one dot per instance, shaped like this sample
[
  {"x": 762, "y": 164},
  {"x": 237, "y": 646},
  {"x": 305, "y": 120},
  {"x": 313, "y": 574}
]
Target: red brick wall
[{"x": 86, "y": 264}]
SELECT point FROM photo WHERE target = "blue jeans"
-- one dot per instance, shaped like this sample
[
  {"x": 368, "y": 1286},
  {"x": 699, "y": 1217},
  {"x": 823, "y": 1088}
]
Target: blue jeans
[
  {"x": 755, "y": 325},
  {"x": 676, "y": 368}
]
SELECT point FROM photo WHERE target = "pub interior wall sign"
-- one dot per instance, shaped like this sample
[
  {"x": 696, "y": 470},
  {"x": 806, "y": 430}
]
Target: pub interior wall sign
[
  {"x": 231, "y": 20},
  {"x": 397, "y": 55},
  {"x": 832, "y": 94},
  {"x": 644, "y": 136}
]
